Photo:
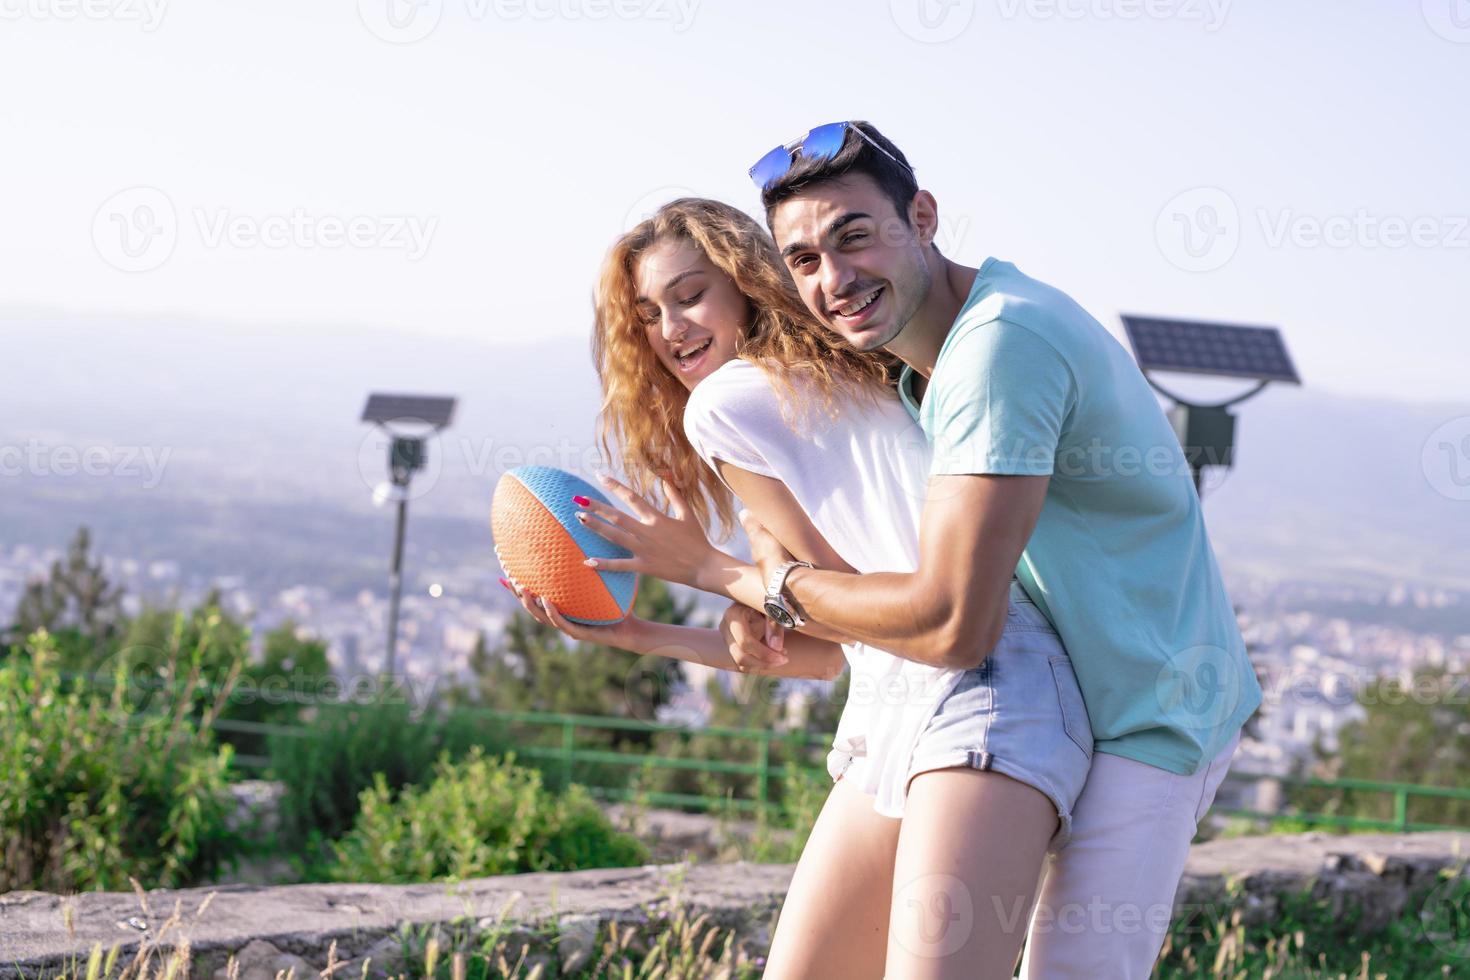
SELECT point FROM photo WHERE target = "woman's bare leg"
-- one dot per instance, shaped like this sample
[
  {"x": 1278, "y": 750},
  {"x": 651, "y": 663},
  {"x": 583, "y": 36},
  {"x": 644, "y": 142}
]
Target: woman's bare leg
[
  {"x": 969, "y": 859},
  {"x": 834, "y": 923}
]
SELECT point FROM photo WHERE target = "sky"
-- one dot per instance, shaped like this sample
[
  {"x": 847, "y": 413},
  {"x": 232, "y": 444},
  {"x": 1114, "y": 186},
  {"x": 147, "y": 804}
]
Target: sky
[{"x": 458, "y": 167}]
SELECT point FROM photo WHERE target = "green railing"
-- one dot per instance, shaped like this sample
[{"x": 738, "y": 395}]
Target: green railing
[
  {"x": 1400, "y": 793},
  {"x": 568, "y": 753}
]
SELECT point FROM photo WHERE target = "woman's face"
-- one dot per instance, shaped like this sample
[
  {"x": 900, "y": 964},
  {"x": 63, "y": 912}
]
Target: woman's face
[{"x": 692, "y": 313}]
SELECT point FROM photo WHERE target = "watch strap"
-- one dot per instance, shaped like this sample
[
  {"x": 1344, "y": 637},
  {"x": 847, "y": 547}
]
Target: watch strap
[{"x": 778, "y": 578}]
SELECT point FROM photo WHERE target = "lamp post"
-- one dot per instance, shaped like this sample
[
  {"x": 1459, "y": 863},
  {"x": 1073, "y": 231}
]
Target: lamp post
[
  {"x": 408, "y": 421},
  {"x": 1207, "y": 431}
]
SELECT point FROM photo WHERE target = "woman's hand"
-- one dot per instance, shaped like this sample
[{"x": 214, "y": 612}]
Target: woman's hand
[
  {"x": 755, "y": 643},
  {"x": 621, "y": 634},
  {"x": 767, "y": 553},
  {"x": 672, "y": 547}
]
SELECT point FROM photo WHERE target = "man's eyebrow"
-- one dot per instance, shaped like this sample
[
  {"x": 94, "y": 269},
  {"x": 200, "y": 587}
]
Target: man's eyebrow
[
  {"x": 672, "y": 283},
  {"x": 792, "y": 249},
  {"x": 837, "y": 225}
]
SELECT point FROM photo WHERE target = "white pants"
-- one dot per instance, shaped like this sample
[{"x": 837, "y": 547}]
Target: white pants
[{"x": 1108, "y": 895}]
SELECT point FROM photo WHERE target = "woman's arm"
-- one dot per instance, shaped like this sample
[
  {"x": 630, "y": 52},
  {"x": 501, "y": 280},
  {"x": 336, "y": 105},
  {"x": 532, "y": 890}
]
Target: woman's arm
[
  {"x": 673, "y": 546},
  {"x": 805, "y": 656}
]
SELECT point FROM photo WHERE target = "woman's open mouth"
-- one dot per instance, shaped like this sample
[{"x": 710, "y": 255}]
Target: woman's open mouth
[{"x": 690, "y": 359}]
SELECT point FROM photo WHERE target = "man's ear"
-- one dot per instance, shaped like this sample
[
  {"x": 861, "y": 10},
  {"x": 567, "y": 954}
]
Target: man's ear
[{"x": 924, "y": 217}]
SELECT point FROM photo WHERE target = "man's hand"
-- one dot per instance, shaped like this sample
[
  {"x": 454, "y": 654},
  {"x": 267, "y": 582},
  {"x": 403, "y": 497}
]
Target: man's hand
[
  {"x": 765, "y": 551},
  {"x": 755, "y": 643}
]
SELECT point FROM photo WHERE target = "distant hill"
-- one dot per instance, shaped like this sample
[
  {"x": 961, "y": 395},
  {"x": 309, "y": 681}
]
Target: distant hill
[
  {"x": 1334, "y": 488},
  {"x": 269, "y": 467}
]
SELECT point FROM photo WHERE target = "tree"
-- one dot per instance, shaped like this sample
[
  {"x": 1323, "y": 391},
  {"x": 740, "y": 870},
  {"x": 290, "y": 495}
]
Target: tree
[
  {"x": 75, "y": 603},
  {"x": 279, "y": 688},
  {"x": 1415, "y": 733},
  {"x": 207, "y": 634},
  {"x": 540, "y": 669}
]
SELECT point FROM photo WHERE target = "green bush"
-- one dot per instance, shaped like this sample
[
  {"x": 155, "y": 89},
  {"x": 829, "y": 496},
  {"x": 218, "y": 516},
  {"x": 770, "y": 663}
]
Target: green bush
[
  {"x": 347, "y": 747},
  {"x": 100, "y": 787},
  {"x": 479, "y": 816}
]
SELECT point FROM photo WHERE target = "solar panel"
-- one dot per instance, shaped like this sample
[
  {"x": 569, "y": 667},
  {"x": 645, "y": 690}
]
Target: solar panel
[
  {"x": 427, "y": 409},
  {"x": 1210, "y": 348}
]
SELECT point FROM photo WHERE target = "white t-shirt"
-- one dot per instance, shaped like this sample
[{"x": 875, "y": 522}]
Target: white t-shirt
[{"x": 862, "y": 481}]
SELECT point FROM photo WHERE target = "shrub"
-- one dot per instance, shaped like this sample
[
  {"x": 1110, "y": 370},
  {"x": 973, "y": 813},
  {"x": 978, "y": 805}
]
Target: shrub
[
  {"x": 98, "y": 788},
  {"x": 479, "y": 816},
  {"x": 346, "y": 748}
]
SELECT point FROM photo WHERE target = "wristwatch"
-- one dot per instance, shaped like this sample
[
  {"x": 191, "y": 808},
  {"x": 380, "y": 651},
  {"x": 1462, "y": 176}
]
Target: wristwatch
[{"x": 780, "y": 607}]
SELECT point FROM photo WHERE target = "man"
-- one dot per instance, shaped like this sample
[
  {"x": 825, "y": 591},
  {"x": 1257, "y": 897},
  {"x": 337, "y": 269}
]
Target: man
[{"x": 1054, "y": 464}]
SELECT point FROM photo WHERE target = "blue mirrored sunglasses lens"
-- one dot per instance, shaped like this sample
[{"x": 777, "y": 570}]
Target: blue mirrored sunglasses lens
[
  {"x": 770, "y": 166},
  {"x": 824, "y": 141}
]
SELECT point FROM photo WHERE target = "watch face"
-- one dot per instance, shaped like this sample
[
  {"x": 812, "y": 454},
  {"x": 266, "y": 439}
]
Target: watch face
[{"x": 780, "y": 615}]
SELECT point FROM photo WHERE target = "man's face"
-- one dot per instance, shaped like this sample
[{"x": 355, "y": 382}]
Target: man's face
[{"x": 858, "y": 264}]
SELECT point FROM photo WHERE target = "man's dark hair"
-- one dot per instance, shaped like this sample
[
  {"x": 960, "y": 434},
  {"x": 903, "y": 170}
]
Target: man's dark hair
[{"x": 857, "y": 156}]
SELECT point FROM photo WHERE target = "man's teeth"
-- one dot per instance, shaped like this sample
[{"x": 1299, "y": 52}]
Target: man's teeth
[{"x": 854, "y": 310}]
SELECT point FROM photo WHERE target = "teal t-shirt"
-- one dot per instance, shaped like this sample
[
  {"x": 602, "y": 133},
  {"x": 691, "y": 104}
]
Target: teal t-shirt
[{"x": 1027, "y": 383}]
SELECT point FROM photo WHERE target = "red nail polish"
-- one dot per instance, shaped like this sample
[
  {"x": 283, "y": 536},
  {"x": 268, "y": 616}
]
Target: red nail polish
[
  {"x": 506, "y": 584},
  {"x": 581, "y": 501}
]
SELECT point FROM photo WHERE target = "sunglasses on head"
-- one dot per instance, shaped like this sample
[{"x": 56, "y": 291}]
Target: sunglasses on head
[{"x": 821, "y": 143}]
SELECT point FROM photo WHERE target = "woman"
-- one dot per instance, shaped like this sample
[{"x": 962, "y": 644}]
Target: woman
[{"x": 715, "y": 382}]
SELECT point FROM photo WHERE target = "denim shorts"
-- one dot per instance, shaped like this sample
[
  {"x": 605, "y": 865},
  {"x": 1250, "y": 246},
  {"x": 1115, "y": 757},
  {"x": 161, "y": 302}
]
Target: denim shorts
[{"x": 1019, "y": 713}]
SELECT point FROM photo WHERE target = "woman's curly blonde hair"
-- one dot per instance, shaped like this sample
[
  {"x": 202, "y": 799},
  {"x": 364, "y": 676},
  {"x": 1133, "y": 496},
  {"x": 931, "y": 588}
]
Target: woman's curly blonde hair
[{"x": 642, "y": 413}]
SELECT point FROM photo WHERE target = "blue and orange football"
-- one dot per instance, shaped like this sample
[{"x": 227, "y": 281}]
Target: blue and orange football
[{"x": 542, "y": 545}]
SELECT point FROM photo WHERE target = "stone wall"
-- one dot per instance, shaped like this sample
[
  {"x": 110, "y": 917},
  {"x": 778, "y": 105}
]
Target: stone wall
[{"x": 273, "y": 928}]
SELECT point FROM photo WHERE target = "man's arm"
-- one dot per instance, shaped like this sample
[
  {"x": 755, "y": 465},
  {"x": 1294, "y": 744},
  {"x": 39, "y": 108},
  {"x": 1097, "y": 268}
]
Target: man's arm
[
  {"x": 950, "y": 612},
  {"x": 996, "y": 424}
]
